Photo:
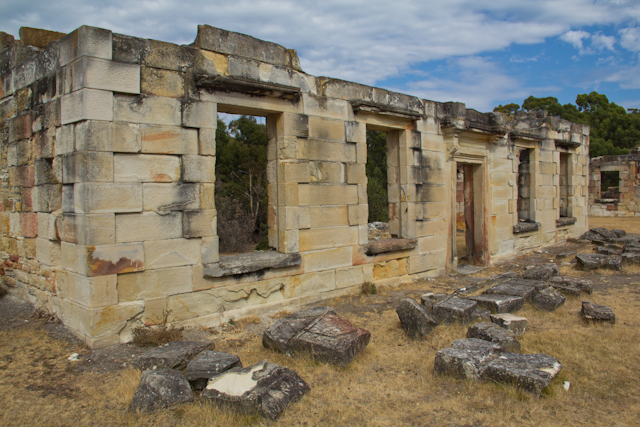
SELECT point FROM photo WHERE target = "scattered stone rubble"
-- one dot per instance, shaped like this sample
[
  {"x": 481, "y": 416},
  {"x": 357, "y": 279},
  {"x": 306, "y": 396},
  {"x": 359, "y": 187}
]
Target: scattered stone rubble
[
  {"x": 209, "y": 364},
  {"x": 516, "y": 324},
  {"x": 160, "y": 389},
  {"x": 548, "y": 299},
  {"x": 174, "y": 355},
  {"x": 597, "y": 313},
  {"x": 416, "y": 320},
  {"x": 320, "y": 332},
  {"x": 495, "y": 334},
  {"x": 614, "y": 249}
]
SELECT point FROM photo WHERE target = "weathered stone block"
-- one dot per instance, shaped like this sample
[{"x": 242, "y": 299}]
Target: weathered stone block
[
  {"x": 95, "y": 135},
  {"x": 209, "y": 250},
  {"x": 46, "y": 198},
  {"x": 207, "y": 365},
  {"x": 148, "y": 226},
  {"x": 110, "y": 259},
  {"x": 541, "y": 272},
  {"x": 495, "y": 334},
  {"x": 597, "y": 313},
  {"x": 530, "y": 372},
  {"x": 198, "y": 169},
  {"x": 170, "y": 197},
  {"x": 548, "y": 299},
  {"x": 174, "y": 355},
  {"x": 466, "y": 358},
  {"x": 86, "y": 41},
  {"x": 317, "y": 195},
  {"x": 89, "y": 229},
  {"x": 497, "y": 303},
  {"x": 329, "y": 237},
  {"x": 526, "y": 289},
  {"x": 86, "y": 104},
  {"x": 207, "y": 142},
  {"x": 356, "y": 173},
  {"x": 155, "y": 283},
  {"x": 199, "y": 114},
  {"x": 455, "y": 309},
  {"x": 91, "y": 197},
  {"x": 199, "y": 223},
  {"x": 95, "y": 73},
  {"x": 166, "y": 83},
  {"x": 87, "y": 166},
  {"x": 154, "y": 110},
  {"x": 48, "y": 252},
  {"x": 169, "y": 140},
  {"x": 22, "y": 176},
  {"x": 91, "y": 292},
  {"x": 516, "y": 324},
  {"x": 415, "y": 319},
  {"x": 171, "y": 253},
  {"x": 251, "y": 262},
  {"x": 159, "y": 389},
  {"x": 145, "y": 168}
]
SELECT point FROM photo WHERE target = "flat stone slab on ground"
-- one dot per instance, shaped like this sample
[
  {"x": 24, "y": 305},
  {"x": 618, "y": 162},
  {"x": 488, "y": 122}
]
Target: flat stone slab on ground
[
  {"x": 608, "y": 251},
  {"x": 429, "y": 299},
  {"x": 415, "y": 319},
  {"x": 457, "y": 309},
  {"x": 526, "y": 289},
  {"x": 174, "y": 355},
  {"x": 541, "y": 272},
  {"x": 320, "y": 332},
  {"x": 208, "y": 364},
  {"x": 548, "y": 299},
  {"x": 565, "y": 286},
  {"x": 631, "y": 257},
  {"x": 498, "y": 303},
  {"x": 161, "y": 388},
  {"x": 604, "y": 233},
  {"x": 494, "y": 334},
  {"x": 466, "y": 358},
  {"x": 264, "y": 388},
  {"x": 590, "y": 261},
  {"x": 516, "y": 324},
  {"x": 619, "y": 233},
  {"x": 530, "y": 372},
  {"x": 597, "y": 312},
  {"x": 612, "y": 262}
]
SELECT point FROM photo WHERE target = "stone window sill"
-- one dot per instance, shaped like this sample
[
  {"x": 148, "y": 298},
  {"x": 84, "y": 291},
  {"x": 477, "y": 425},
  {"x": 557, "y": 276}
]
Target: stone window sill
[
  {"x": 607, "y": 201},
  {"x": 250, "y": 263},
  {"x": 390, "y": 245},
  {"x": 564, "y": 221},
  {"x": 526, "y": 227}
]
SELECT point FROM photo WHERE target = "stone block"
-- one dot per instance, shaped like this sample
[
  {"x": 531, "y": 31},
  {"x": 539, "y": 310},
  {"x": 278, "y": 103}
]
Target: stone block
[
  {"x": 89, "y": 229},
  {"x": 328, "y": 259},
  {"x": 316, "y": 195},
  {"x": 207, "y": 142},
  {"x": 199, "y": 223},
  {"x": 159, "y": 389},
  {"x": 169, "y": 140},
  {"x": 146, "y": 168},
  {"x": 91, "y": 197},
  {"x": 597, "y": 313},
  {"x": 47, "y": 228},
  {"x": 171, "y": 253},
  {"x": 48, "y": 252},
  {"x": 329, "y": 216},
  {"x": 46, "y": 198},
  {"x": 356, "y": 173},
  {"x": 20, "y": 127},
  {"x": 497, "y": 303},
  {"x": 148, "y": 226},
  {"x": 326, "y": 151},
  {"x": 86, "y": 41},
  {"x": 548, "y": 299},
  {"x": 86, "y": 104},
  {"x": 328, "y": 237},
  {"x": 466, "y": 358},
  {"x": 29, "y": 224},
  {"x": 110, "y": 259},
  {"x": 96, "y": 73},
  {"x": 154, "y": 110},
  {"x": 22, "y": 176},
  {"x": 530, "y": 372},
  {"x": 154, "y": 283},
  {"x": 415, "y": 319},
  {"x": 526, "y": 289},
  {"x": 95, "y": 135},
  {"x": 207, "y": 365},
  {"x": 455, "y": 309},
  {"x": 170, "y": 197},
  {"x": 209, "y": 250},
  {"x": 87, "y": 166},
  {"x": 65, "y": 140},
  {"x": 516, "y": 324},
  {"x": 207, "y": 196},
  {"x": 541, "y": 272},
  {"x": 494, "y": 334},
  {"x": 292, "y": 171},
  {"x": 44, "y": 172},
  {"x": 198, "y": 169},
  {"x": 90, "y": 292},
  {"x": 158, "y": 82},
  {"x": 199, "y": 114},
  {"x": 288, "y": 241}
]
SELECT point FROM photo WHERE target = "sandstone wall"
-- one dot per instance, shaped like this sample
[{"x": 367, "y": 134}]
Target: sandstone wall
[
  {"x": 108, "y": 178},
  {"x": 624, "y": 198}
]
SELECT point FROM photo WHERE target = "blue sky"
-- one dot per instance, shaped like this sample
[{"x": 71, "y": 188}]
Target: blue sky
[{"x": 482, "y": 53}]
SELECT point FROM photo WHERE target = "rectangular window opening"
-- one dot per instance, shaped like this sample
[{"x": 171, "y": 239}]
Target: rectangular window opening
[
  {"x": 378, "y": 171},
  {"x": 610, "y": 185},
  {"x": 524, "y": 187},
  {"x": 565, "y": 186}
]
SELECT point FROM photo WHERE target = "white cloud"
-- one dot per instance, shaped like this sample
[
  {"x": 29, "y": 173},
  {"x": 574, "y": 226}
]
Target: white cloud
[
  {"x": 627, "y": 77},
  {"x": 601, "y": 42},
  {"x": 630, "y": 38},
  {"x": 575, "y": 38}
]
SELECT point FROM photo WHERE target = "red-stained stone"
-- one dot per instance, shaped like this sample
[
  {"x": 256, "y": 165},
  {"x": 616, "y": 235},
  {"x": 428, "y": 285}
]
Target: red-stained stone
[{"x": 29, "y": 224}]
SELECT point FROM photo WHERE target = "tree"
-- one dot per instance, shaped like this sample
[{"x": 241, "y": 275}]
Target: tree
[
  {"x": 507, "y": 108},
  {"x": 377, "y": 193}
]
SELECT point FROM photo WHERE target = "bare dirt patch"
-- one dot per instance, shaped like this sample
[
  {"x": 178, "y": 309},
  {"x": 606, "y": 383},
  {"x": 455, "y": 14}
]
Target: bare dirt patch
[{"x": 391, "y": 383}]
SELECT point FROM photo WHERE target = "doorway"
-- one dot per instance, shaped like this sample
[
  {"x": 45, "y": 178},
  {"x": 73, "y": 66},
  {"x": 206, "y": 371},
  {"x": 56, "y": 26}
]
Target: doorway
[{"x": 470, "y": 245}]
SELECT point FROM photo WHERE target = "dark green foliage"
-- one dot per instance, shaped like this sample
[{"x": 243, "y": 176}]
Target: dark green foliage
[
  {"x": 241, "y": 172},
  {"x": 377, "y": 176},
  {"x": 613, "y": 130},
  {"x": 507, "y": 108}
]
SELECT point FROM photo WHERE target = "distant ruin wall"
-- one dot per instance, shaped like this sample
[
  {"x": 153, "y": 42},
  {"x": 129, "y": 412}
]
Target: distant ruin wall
[
  {"x": 108, "y": 179},
  {"x": 622, "y": 197}
]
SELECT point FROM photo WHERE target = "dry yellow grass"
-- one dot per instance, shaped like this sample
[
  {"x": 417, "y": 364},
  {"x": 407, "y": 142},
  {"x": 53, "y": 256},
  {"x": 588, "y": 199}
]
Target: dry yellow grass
[
  {"x": 630, "y": 224},
  {"x": 390, "y": 384}
]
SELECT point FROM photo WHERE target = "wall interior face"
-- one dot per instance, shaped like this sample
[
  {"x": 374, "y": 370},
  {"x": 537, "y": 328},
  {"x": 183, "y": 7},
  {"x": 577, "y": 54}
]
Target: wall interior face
[{"x": 108, "y": 179}]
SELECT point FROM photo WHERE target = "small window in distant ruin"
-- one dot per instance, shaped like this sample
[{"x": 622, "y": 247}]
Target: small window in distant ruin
[
  {"x": 609, "y": 185},
  {"x": 524, "y": 187},
  {"x": 241, "y": 197},
  {"x": 377, "y": 185},
  {"x": 565, "y": 185}
]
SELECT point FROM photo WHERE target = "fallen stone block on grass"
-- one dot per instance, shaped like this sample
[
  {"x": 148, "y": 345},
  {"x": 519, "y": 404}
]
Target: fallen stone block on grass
[
  {"x": 498, "y": 303},
  {"x": 604, "y": 233},
  {"x": 541, "y": 272},
  {"x": 619, "y": 233},
  {"x": 565, "y": 286},
  {"x": 161, "y": 388},
  {"x": 466, "y": 358},
  {"x": 174, "y": 355},
  {"x": 429, "y": 299},
  {"x": 612, "y": 263},
  {"x": 264, "y": 388},
  {"x": 457, "y": 309},
  {"x": 516, "y": 324},
  {"x": 209, "y": 364},
  {"x": 526, "y": 289},
  {"x": 319, "y": 332},
  {"x": 548, "y": 299},
  {"x": 631, "y": 257},
  {"x": 494, "y": 334},
  {"x": 597, "y": 313},
  {"x": 530, "y": 372},
  {"x": 590, "y": 261},
  {"x": 603, "y": 250},
  {"x": 415, "y": 319}
]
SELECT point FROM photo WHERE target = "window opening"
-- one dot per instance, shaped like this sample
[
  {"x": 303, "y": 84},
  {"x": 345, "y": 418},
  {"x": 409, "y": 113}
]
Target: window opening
[
  {"x": 524, "y": 187},
  {"x": 241, "y": 195},
  {"x": 564, "y": 186},
  {"x": 461, "y": 246},
  {"x": 377, "y": 185},
  {"x": 610, "y": 185}
]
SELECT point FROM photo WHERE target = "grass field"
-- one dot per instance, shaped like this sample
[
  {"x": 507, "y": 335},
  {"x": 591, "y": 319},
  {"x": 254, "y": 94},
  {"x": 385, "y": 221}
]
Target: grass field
[{"x": 390, "y": 384}]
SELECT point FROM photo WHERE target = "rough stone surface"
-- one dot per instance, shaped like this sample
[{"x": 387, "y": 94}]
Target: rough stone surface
[
  {"x": 590, "y": 261},
  {"x": 456, "y": 309},
  {"x": 566, "y": 286},
  {"x": 612, "y": 263},
  {"x": 264, "y": 388},
  {"x": 541, "y": 272},
  {"x": 590, "y": 235},
  {"x": 619, "y": 233},
  {"x": 495, "y": 334},
  {"x": 516, "y": 324},
  {"x": 415, "y": 319},
  {"x": 319, "y": 332},
  {"x": 498, "y": 303},
  {"x": 248, "y": 263},
  {"x": 597, "y": 313},
  {"x": 526, "y": 289},
  {"x": 631, "y": 258},
  {"x": 530, "y": 372},
  {"x": 608, "y": 251},
  {"x": 466, "y": 358},
  {"x": 390, "y": 245},
  {"x": 209, "y": 364},
  {"x": 548, "y": 299},
  {"x": 604, "y": 233},
  {"x": 429, "y": 299},
  {"x": 161, "y": 388},
  {"x": 174, "y": 355}
]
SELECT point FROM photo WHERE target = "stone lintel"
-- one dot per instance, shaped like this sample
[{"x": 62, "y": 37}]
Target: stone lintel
[
  {"x": 374, "y": 107},
  {"x": 390, "y": 245},
  {"x": 561, "y": 222},
  {"x": 247, "y": 86},
  {"x": 249, "y": 263},
  {"x": 525, "y": 227}
]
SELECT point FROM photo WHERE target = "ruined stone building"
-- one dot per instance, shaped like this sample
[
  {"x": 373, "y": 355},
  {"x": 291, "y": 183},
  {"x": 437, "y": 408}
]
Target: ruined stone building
[
  {"x": 613, "y": 185},
  {"x": 108, "y": 161}
]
